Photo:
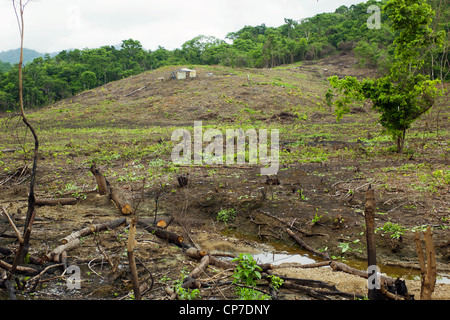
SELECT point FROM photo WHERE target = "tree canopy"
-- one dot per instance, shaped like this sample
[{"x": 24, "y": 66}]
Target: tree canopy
[{"x": 405, "y": 92}]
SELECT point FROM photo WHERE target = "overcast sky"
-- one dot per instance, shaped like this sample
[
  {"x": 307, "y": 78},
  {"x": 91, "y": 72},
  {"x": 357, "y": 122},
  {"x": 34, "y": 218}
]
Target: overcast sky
[{"x": 55, "y": 25}]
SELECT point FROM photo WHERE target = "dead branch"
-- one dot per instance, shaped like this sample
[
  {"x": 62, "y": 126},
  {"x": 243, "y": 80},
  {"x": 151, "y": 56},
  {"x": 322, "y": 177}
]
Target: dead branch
[
  {"x": 162, "y": 234},
  {"x": 94, "y": 228},
  {"x": 55, "y": 255},
  {"x": 102, "y": 184},
  {"x": 302, "y": 243},
  {"x": 303, "y": 266},
  {"x": 19, "y": 236},
  {"x": 56, "y": 202},
  {"x": 73, "y": 241},
  {"x": 369, "y": 214},
  {"x": 339, "y": 266},
  {"x": 120, "y": 198},
  {"x": 135, "y": 91},
  {"x": 19, "y": 269},
  {"x": 36, "y": 279}
]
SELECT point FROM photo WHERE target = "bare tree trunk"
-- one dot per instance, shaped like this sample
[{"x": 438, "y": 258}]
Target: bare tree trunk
[
  {"x": 131, "y": 259},
  {"x": 427, "y": 270},
  {"x": 23, "y": 247}
]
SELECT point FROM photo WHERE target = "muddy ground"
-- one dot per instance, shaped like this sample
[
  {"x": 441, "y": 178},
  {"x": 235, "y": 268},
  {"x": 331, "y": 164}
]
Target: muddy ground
[{"x": 323, "y": 201}]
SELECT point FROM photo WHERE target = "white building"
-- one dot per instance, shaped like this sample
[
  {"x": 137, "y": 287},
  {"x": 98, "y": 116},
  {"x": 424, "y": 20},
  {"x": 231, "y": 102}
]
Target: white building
[{"x": 185, "y": 73}]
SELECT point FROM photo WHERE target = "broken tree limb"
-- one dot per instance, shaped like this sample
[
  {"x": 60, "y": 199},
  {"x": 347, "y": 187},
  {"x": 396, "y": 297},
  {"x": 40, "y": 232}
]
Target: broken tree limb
[
  {"x": 93, "y": 228},
  {"x": 56, "y": 202},
  {"x": 339, "y": 266},
  {"x": 162, "y": 234},
  {"x": 220, "y": 263},
  {"x": 73, "y": 240},
  {"x": 56, "y": 254},
  {"x": 191, "y": 280},
  {"x": 135, "y": 91},
  {"x": 102, "y": 184},
  {"x": 324, "y": 255},
  {"x": 172, "y": 295},
  {"x": 303, "y": 266},
  {"x": 19, "y": 236},
  {"x": 18, "y": 269},
  {"x": 131, "y": 261},
  {"x": 428, "y": 269},
  {"x": 120, "y": 197},
  {"x": 204, "y": 262}
]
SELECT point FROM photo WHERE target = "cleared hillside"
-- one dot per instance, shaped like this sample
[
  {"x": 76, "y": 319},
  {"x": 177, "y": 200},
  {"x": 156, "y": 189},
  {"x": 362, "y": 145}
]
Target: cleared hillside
[{"x": 125, "y": 128}]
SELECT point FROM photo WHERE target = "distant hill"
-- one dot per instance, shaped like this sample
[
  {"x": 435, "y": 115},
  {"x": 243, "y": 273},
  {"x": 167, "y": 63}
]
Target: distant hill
[
  {"x": 13, "y": 56},
  {"x": 4, "y": 66}
]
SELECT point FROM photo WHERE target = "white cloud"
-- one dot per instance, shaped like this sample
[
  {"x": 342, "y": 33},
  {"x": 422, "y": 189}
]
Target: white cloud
[{"x": 55, "y": 25}]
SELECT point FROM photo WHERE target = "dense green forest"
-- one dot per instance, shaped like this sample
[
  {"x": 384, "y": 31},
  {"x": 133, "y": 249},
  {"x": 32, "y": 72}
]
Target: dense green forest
[{"x": 49, "y": 79}]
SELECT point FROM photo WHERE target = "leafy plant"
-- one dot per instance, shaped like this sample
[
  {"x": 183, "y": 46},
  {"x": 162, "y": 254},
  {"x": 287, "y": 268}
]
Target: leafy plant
[
  {"x": 405, "y": 93},
  {"x": 396, "y": 230},
  {"x": 226, "y": 215},
  {"x": 247, "y": 271},
  {"x": 276, "y": 282}
]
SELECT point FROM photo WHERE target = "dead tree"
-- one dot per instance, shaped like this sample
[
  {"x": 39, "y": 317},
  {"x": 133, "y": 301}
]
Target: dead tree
[
  {"x": 121, "y": 199},
  {"x": 428, "y": 269},
  {"x": 369, "y": 213},
  {"x": 19, "y": 10},
  {"x": 131, "y": 260}
]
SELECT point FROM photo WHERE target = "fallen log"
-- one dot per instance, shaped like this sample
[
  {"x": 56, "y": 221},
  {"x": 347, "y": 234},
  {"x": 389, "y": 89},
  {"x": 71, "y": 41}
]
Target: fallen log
[
  {"x": 196, "y": 253},
  {"x": 93, "y": 228},
  {"x": 73, "y": 240},
  {"x": 56, "y": 202},
  {"x": 305, "y": 282},
  {"x": 164, "y": 222},
  {"x": 121, "y": 200},
  {"x": 57, "y": 253},
  {"x": 191, "y": 280},
  {"x": 220, "y": 263},
  {"x": 204, "y": 262},
  {"x": 339, "y": 266},
  {"x": 172, "y": 295},
  {"x": 135, "y": 91},
  {"x": 303, "y": 266},
  {"x": 18, "y": 269},
  {"x": 324, "y": 255},
  {"x": 303, "y": 289},
  {"x": 162, "y": 233}
]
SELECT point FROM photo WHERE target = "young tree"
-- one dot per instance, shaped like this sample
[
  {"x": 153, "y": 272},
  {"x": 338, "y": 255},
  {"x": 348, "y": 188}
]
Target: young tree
[
  {"x": 405, "y": 93},
  {"x": 19, "y": 8}
]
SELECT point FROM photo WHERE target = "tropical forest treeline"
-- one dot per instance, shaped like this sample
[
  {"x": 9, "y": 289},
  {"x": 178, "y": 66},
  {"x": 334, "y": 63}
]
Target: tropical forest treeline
[{"x": 49, "y": 79}]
